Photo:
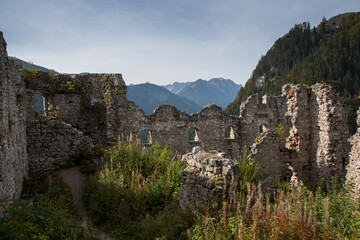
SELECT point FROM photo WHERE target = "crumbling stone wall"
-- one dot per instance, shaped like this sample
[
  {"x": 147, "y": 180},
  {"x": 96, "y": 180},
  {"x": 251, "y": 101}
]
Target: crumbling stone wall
[
  {"x": 314, "y": 120},
  {"x": 316, "y": 139},
  {"x": 70, "y": 99},
  {"x": 13, "y": 155},
  {"x": 298, "y": 110},
  {"x": 266, "y": 114},
  {"x": 208, "y": 177},
  {"x": 167, "y": 124},
  {"x": 329, "y": 133},
  {"x": 273, "y": 159},
  {"x": 51, "y": 144},
  {"x": 353, "y": 169}
]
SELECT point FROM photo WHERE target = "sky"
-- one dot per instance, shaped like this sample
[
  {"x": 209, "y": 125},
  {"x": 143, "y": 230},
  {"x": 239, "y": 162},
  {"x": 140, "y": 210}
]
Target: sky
[{"x": 157, "y": 41}]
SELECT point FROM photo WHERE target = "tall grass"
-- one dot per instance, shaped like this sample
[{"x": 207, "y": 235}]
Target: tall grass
[
  {"x": 135, "y": 192},
  {"x": 285, "y": 214},
  {"x": 134, "y": 196}
]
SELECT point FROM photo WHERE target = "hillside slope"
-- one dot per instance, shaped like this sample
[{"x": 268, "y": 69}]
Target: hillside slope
[
  {"x": 28, "y": 65},
  {"x": 149, "y": 96},
  {"x": 329, "y": 53}
]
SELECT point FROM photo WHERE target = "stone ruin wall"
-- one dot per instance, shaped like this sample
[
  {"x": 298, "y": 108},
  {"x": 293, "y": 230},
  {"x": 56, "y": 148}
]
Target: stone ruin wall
[
  {"x": 314, "y": 119},
  {"x": 315, "y": 147},
  {"x": 329, "y": 133},
  {"x": 208, "y": 178},
  {"x": 51, "y": 143},
  {"x": 115, "y": 116},
  {"x": 69, "y": 99},
  {"x": 13, "y": 154},
  {"x": 169, "y": 125},
  {"x": 258, "y": 115},
  {"x": 353, "y": 169}
]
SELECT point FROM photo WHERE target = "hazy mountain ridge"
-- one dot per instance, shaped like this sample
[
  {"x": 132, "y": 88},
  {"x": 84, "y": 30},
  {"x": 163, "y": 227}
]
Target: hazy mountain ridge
[
  {"x": 149, "y": 96},
  {"x": 176, "y": 87},
  {"x": 219, "y": 91}
]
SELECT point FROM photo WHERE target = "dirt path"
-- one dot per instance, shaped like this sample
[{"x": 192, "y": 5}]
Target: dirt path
[{"x": 75, "y": 180}]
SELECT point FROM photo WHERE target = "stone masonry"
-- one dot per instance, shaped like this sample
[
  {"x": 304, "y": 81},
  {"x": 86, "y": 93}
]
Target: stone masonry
[
  {"x": 13, "y": 154},
  {"x": 315, "y": 145},
  {"x": 51, "y": 143},
  {"x": 208, "y": 177},
  {"x": 353, "y": 169}
]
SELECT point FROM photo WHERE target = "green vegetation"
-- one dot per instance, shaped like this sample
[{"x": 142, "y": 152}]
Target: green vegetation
[
  {"x": 68, "y": 87},
  {"x": 289, "y": 214},
  {"x": 281, "y": 131},
  {"x": 133, "y": 195},
  {"x": 328, "y": 54},
  {"x": 29, "y": 76},
  {"x": 45, "y": 211}
]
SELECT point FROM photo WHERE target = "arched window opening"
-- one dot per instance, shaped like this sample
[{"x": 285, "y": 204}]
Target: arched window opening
[
  {"x": 192, "y": 134},
  {"x": 229, "y": 133},
  {"x": 39, "y": 104},
  {"x": 145, "y": 137},
  {"x": 94, "y": 101}
]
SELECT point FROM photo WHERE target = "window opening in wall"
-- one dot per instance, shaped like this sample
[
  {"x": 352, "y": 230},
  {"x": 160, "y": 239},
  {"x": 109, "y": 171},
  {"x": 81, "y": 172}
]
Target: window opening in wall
[
  {"x": 192, "y": 135},
  {"x": 145, "y": 136},
  {"x": 262, "y": 128},
  {"x": 229, "y": 133},
  {"x": 93, "y": 101},
  {"x": 39, "y": 104}
]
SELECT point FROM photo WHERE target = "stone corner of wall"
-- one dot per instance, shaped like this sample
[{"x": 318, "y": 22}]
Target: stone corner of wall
[{"x": 207, "y": 177}]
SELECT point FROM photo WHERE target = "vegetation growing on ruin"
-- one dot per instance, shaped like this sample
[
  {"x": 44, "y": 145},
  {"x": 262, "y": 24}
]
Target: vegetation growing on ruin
[
  {"x": 329, "y": 53},
  {"x": 133, "y": 195},
  {"x": 289, "y": 214},
  {"x": 45, "y": 211}
]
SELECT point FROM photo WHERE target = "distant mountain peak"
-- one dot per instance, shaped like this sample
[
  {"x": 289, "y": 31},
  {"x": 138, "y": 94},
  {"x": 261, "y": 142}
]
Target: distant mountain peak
[
  {"x": 219, "y": 91},
  {"x": 149, "y": 96}
]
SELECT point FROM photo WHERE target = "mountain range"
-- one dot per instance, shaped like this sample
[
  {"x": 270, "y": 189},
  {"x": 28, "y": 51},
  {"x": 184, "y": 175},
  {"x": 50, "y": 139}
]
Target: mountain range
[
  {"x": 217, "y": 91},
  {"x": 149, "y": 96}
]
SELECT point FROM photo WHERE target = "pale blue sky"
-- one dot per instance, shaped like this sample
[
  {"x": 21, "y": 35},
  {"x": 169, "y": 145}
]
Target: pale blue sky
[{"x": 158, "y": 41}]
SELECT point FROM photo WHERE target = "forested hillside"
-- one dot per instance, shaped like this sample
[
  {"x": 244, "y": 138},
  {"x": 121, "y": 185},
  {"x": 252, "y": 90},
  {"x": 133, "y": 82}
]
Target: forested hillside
[{"x": 329, "y": 53}]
